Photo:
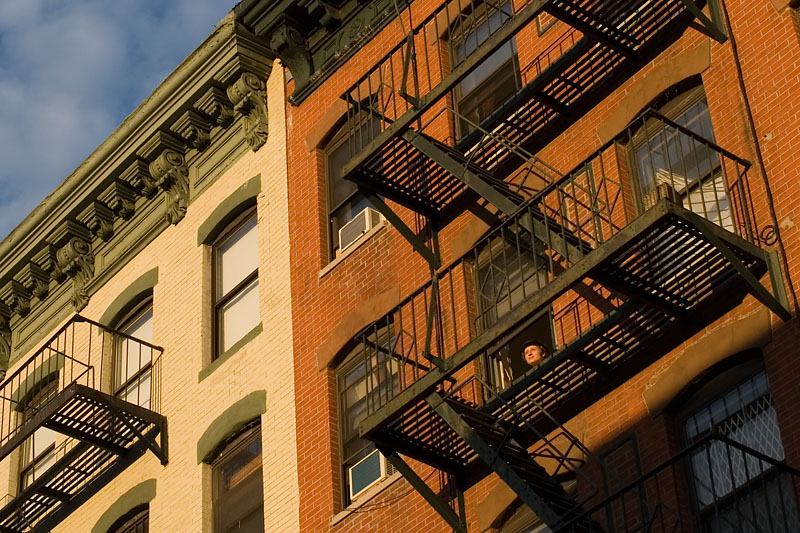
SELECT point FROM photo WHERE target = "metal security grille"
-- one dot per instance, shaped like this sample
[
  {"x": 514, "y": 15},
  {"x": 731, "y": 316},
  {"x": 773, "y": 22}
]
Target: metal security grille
[{"x": 735, "y": 491}]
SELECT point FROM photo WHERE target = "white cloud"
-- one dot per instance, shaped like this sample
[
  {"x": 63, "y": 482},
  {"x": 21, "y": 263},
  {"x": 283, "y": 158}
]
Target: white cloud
[{"x": 69, "y": 74}]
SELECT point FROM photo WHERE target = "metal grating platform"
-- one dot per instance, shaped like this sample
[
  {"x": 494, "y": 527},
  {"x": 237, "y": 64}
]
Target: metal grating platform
[
  {"x": 618, "y": 38},
  {"x": 680, "y": 280},
  {"x": 106, "y": 435}
]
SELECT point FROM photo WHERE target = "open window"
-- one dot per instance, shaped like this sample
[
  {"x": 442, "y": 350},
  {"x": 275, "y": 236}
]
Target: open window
[
  {"x": 507, "y": 272},
  {"x": 671, "y": 163},
  {"x": 497, "y": 78}
]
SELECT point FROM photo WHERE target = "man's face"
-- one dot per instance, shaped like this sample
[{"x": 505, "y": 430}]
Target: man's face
[{"x": 533, "y": 355}]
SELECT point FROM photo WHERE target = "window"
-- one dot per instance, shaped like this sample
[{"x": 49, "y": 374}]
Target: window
[
  {"x": 730, "y": 488},
  {"x": 236, "y": 309},
  {"x": 136, "y": 521},
  {"x": 508, "y": 272},
  {"x": 237, "y": 493},
  {"x": 345, "y": 202},
  {"x": 38, "y": 450},
  {"x": 671, "y": 164},
  {"x": 496, "y": 79},
  {"x": 368, "y": 378},
  {"x": 133, "y": 360}
]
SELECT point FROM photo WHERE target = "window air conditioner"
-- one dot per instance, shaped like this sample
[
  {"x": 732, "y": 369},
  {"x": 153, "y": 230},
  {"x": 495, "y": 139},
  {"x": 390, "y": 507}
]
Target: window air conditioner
[
  {"x": 364, "y": 221},
  {"x": 368, "y": 471}
]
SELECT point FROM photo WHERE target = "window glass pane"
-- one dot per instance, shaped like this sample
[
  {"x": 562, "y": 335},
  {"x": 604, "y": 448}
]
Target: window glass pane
[
  {"x": 239, "y": 315},
  {"x": 138, "y": 391},
  {"x": 237, "y": 257},
  {"x": 130, "y": 356},
  {"x": 238, "y": 492}
]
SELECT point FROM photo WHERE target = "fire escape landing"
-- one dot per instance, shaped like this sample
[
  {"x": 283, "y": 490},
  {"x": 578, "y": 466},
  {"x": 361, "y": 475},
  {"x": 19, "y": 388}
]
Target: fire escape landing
[
  {"x": 97, "y": 434},
  {"x": 648, "y": 267}
]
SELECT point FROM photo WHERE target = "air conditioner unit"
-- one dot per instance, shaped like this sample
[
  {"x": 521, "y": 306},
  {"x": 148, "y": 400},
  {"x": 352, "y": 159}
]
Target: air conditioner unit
[
  {"x": 364, "y": 221},
  {"x": 368, "y": 471}
]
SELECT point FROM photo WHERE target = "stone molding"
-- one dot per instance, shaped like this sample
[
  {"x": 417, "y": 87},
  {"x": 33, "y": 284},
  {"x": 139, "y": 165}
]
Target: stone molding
[
  {"x": 136, "y": 496},
  {"x": 228, "y": 423},
  {"x": 146, "y": 162}
]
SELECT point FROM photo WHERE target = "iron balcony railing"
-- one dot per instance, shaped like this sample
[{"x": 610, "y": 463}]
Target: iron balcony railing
[
  {"x": 82, "y": 353},
  {"x": 715, "y": 485},
  {"x": 553, "y": 230}
]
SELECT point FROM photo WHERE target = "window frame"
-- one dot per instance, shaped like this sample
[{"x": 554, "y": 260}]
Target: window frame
[
  {"x": 717, "y": 383},
  {"x": 127, "y": 320},
  {"x": 47, "y": 390},
  {"x": 476, "y": 17},
  {"x": 238, "y": 442},
  {"x": 218, "y": 303},
  {"x": 356, "y": 357},
  {"x": 130, "y": 521}
]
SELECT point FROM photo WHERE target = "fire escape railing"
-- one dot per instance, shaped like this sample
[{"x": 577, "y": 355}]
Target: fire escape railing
[
  {"x": 579, "y": 213},
  {"x": 92, "y": 395},
  {"x": 715, "y": 484}
]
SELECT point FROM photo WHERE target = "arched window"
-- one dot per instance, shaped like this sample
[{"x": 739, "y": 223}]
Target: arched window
[
  {"x": 368, "y": 377},
  {"x": 38, "y": 450},
  {"x": 669, "y": 163},
  {"x": 237, "y": 483},
  {"x": 732, "y": 488},
  {"x": 345, "y": 204},
  {"x": 497, "y": 78},
  {"x": 235, "y": 278},
  {"x": 132, "y": 375},
  {"x": 135, "y": 521}
]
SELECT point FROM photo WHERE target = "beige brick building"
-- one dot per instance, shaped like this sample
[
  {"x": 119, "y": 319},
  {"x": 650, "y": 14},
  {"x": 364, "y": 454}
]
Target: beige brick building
[{"x": 175, "y": 230}]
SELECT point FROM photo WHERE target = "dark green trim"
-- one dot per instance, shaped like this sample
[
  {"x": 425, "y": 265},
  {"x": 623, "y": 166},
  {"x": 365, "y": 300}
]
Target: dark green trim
[
  {"x": 243, "y": 197},
  {"x": 139, "y": 495},
  {"x": 216, "y": 363},
  {"x": 130, "y": 296},
  {"x": 228, "y": 423},
  {"x": 41, "y": 375}
]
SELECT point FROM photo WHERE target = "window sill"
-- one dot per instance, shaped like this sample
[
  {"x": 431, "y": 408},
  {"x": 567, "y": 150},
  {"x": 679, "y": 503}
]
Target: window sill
[
  {"x": 352, "y": 248},
  {"x": 365, "y": 497},
  {"x": 216, "y": 363}
]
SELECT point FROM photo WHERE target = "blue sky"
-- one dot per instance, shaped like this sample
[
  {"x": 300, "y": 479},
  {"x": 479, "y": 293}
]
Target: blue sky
[{"x": 71, "y": 71}]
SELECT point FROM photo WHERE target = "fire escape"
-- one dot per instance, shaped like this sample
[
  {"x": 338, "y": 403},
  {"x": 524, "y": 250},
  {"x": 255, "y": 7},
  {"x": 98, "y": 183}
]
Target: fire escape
[
  {"x": 628, "y": 273},
  {"x": 76, "y": 414}
]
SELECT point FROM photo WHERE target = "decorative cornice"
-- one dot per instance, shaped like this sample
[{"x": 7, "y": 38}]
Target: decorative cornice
[
  {"x": 249, "y": 97},
  {"x": 172, "y": 176},
  {"x": 99, "y": 218},
  {"x": 5, "y": 339},
  {"x": 108, "y": 202},
  {"x": 16, "y": 297},
  {"x": 216, "y": 105},
  {"x": 289, "y": 44},
  {"x": 194, "y": 129}
]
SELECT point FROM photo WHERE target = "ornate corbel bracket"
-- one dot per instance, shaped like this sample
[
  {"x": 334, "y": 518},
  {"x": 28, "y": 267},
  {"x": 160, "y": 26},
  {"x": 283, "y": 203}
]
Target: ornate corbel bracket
[
  {"x": 35, "y": 280},
  {"x": 194, "y": 129},
  {"x": 291, "y": 46},
  {"x": 137, "y": 175},
  {"x": 216, "y": 105},
  {"x": 5, "y": 339},
  {"x": 75, "y": 259},
  {"x": 16, "y": 297},
  {"x": 171, "y": 174},
  {"x": 47, "y": 260},
  {"x": 249, "y": 97},
  {"x": 99, "y": 218},
  {"x": 121, "y": 198}
]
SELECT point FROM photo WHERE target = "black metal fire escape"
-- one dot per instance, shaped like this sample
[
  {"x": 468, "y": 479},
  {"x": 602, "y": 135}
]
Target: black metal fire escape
[
  {"x": 664, "y": 267},
  {"x": 97, "y": 434}
]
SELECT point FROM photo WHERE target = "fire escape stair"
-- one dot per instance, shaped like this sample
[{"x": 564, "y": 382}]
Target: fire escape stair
[
  {"x": 106, "y": 436},
  {"x": 495, "y": 446}
]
